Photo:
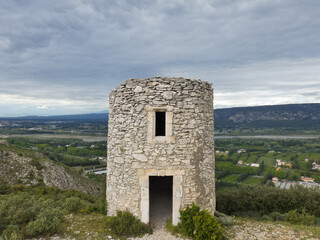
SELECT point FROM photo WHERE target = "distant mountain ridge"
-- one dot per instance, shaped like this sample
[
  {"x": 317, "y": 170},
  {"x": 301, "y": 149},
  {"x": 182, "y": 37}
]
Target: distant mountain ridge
[
  {"x": 88, "y": 116},
  {"x": 289, "y": 112}
]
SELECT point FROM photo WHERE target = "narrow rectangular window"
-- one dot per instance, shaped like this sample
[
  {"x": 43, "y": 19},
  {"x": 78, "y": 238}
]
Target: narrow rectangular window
[{"x": 160, "y": 123}]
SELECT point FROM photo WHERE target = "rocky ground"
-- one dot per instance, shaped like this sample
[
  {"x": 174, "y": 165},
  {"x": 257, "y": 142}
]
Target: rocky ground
[
  {"x": 251, "y": 229},
  {"x": 90, "y": 227}
]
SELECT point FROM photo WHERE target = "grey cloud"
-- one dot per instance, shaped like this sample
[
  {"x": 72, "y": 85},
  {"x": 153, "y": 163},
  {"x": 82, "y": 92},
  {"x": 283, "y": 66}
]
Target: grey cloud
[
  {"x": 314, "y": 93},
  {"x": 81, "y": 49}
]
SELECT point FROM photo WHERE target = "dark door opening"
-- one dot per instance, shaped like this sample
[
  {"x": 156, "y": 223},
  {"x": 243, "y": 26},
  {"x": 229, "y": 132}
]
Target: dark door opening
[
  {"x": 160, "y": 190},
  {"x": 160, "y": 123}
]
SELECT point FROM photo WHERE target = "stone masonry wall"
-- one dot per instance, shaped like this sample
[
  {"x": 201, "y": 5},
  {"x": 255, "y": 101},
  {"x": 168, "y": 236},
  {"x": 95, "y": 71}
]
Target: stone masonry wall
[{"x": 189, "y": 151}]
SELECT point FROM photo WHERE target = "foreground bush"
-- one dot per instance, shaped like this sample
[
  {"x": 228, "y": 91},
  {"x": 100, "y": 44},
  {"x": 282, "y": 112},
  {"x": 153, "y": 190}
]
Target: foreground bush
[
  {"x": 27, "y": 212},
  {"x": 206, "y": 226},
  {"x": 127, "y": 225},
  {"x": 186, "y": 217},
  {"x": 46, "y": 222},
  {"x": 12, "y": 232},
  {"x": 200, "y": 225}
]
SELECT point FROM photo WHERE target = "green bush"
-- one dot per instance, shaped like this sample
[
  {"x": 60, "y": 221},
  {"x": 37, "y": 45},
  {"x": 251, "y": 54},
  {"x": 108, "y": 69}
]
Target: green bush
[
  {"x": 265, "y": 200},
  {"x": 126, "y": 224},
  {"x": 36, "y": 164},
  {"x": 99, "y": 207},
  {"x": 248, "y": 214},
  {"x": 206, "y": 226},
  {"x": 267, "y": 217},
  {"x": 200, "y": 225},
  {"x": 300, "y": 218},
  {"x": 223, "y": 218},
  {"x": 276, "y": 216},
  {"x": 73, "y": 204},
  {"x": 186, "y": 217},
  {"x": 175, "y": 230},
  {"x": 36, "y": 210},
  {"x": 47, "y": 222},
  {"x": 4, "y": 187},
  {"x": 12, "y": 232}
]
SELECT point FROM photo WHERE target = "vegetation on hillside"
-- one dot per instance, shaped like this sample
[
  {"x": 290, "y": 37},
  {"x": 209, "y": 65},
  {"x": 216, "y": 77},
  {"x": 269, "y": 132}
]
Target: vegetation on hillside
[
  {"x": 297, "y": 205},
  {"x": 33, "y": 211},
  {"x": 71, "y": 152},
  {"x": 21, "y": 166}
]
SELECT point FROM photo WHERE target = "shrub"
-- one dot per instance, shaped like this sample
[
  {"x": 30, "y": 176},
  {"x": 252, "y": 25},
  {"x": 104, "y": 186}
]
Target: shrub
[
  {"x": 206, "y": 226},
  {"x": 223, "y": 218},
  {"x": 36, "y": 164},
  {"x": 126, "y": 224},
  {"x": 200, "y": 225},
  {"x": 276, "y": 216},
  {"x": 4, "y": 187},
  {"x": 99, "y": 207},
  {"x": 175, "y": 230},
  {"x": 12, "y": 232},
  {"x": 75, "y": 204},
  {"x": 250, "y": 214},
  {"x": 300, "y": 218},
  {"x": 47, "y": 222},
  {"x": 186, "y": 217},
  {"x": 266, "y": 217},
  {"x": 35, "y": 210},
  {"x": 266, "y": 200}
]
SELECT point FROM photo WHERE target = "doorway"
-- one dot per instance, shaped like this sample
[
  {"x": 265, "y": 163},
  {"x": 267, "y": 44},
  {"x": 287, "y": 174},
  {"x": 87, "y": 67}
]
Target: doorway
[{"x": 160, "y": 195}]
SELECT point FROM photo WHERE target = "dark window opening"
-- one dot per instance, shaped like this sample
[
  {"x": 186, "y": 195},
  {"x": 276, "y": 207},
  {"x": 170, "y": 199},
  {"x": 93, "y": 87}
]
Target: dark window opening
[
  {"x": 160, "y": 123},
  {"x": 160, "y": 195}
]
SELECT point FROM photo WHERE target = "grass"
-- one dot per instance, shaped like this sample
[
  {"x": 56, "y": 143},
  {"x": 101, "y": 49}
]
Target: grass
[
  {"x": 234, "y": 155},
  {"x": 230, "y": 178},
  {"x": 302, "y": 156},
  {"x": 224, "y": 165},
  {"x": 314, "y": 156},
  {"x": 88, "y": 226},
  {"x": 252, "y": 180},
  {"x": 84, "y": 226},
  {"x": 243, "y": 157},
  {"x": 252, "y": 158},
  {"x": 224, "y": 189},
  {"x": 268, "y": 162}
]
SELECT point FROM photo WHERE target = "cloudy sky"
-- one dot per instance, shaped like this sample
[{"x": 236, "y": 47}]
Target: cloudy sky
[{"x": 65, "y": 56}]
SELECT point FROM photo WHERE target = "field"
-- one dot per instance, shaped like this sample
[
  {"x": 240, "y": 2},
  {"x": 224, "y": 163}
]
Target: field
[
  {"x": 82, "y": 144},
  {"x": 230, "y": 178},
  {"x": 235, "y": 156},
  {"x": 252, "y": 180}
]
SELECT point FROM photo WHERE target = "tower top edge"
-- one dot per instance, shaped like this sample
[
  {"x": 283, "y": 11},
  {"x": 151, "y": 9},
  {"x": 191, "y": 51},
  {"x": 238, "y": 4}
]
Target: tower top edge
[{"x": 162, "y": 80}]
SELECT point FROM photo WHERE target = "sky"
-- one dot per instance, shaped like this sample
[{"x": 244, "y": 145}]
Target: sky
[{"x": 65, "y": 56}]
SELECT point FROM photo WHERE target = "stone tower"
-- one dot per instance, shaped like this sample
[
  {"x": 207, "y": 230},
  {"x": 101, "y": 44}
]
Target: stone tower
[{"x": 160, "y": 137}]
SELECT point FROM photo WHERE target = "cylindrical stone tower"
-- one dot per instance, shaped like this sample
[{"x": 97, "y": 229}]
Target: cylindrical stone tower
[{"x": 160, "y": 135}]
